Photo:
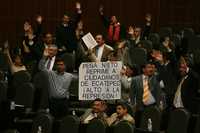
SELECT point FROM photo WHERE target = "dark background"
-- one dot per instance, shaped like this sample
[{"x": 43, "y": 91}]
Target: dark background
[{"x": 175, "y": 13}]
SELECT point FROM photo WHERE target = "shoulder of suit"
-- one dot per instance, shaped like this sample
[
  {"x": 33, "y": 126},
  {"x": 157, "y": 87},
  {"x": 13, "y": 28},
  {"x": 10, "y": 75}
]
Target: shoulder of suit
[
  {"x": 193, "y": 74},
  {"x": 68, "y": 74},
  {"x": 88, "y": 111},
  {"x": 108, "y": 47},
  {"x": 136, "y": 77}
]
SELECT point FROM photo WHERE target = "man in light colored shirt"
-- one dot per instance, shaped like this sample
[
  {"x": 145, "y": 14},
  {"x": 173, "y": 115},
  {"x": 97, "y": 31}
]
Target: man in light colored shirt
[
  {"x": 59, "y": 82},
  {"x": 187, "y": 87}
]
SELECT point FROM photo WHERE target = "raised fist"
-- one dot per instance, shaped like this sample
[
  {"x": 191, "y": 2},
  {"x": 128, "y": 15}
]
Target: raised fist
[
  {"x": 39, "y": 19},
  {"x": 46, "y": 52},
  {"x": 148, "y": 17},
  {"x": 101, "y": 8},
  {"x": 78, "y": 5}
]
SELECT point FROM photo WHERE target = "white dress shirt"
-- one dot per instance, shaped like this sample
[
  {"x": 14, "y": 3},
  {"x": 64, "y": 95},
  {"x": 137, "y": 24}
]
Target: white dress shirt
[
  {"x": 178, "y": 103},
  {"x": 99, "y": 52},
  {"x": 52, "y": 63}
]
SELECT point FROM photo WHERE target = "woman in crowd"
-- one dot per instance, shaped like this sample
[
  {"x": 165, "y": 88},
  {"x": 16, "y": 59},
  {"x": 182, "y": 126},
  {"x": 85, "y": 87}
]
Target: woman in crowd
[{"x": 15, "y": 64}]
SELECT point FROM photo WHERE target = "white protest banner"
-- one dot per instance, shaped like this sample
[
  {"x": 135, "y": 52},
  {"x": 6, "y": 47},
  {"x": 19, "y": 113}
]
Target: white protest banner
[
  {"x": 100, "y": 80},
  {"x": 89, "y": 41}
]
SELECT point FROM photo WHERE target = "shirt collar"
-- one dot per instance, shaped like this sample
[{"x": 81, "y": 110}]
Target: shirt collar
[{"x": 144, "y": 77}]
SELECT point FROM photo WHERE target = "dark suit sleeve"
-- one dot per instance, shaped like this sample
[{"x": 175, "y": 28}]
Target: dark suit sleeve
[
  {"x": 59, "y": 35},
  {"x": 39, "y": 30},
  {"x": 133, "y": 92},
  {"x": 146, "y": 31},
  {"x": 105, "y": 20},
  {"x": 157, "y": 91},
  {"x": 76, "y": 19},
  {"x": 38, "y": 49},
  {"x": 122, "y": 32}
]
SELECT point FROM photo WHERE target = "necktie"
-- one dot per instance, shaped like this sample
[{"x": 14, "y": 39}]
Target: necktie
[
  {"x": 97, "y": 50},
  {"x": 146, "y": 93},
  {"x": 49, "y": 63}
]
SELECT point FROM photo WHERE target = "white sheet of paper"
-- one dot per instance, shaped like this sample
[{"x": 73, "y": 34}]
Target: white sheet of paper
[{"x": 89, "y": 41}]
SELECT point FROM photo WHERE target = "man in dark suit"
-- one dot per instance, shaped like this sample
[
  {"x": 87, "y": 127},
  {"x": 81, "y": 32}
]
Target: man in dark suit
[
  {"x": 65, "y": 32},
  {"x": 166, "y": 65},
  {"x": 145, "y": 90},
  {"x": 187, "y": 88}
]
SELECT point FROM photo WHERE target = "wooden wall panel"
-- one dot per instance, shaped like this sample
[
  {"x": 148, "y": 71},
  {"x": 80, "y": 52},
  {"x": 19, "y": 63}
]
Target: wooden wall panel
[{"x": 130, "y": 12}]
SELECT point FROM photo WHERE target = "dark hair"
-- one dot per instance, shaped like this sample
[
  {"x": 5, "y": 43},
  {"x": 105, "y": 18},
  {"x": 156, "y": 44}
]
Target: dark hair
[
  {"x": 186, "y": 59},
  {"x": 147, "y": 63},
  {"x": 69, "y": 14},
  {"x": 132, "y": 66},
  {"x": 28, "y": 20},
  {"x": 103, "y": 36},
  {"x": 124, "y": 105},
  {"x": 17, "y": 55},
  {"x": 166, "y": 55},
  {"x": 99, "y": 100},
  {"x": 59, "y": 60}
]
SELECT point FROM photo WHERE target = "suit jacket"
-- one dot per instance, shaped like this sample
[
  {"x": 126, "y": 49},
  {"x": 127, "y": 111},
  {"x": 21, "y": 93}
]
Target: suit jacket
[
  {"x": 66, "y": 36},
  {"x": 107, "y": 53},
  {"x": 189, "y": 91},
  {"x": 137, "y": 91}
]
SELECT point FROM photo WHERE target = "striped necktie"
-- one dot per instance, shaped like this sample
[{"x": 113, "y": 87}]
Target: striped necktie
[{"x": 146, "y": 92}]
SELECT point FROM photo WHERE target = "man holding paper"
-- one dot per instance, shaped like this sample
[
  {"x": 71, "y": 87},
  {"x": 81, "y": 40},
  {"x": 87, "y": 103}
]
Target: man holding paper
[{"x": 99, "y": 52}]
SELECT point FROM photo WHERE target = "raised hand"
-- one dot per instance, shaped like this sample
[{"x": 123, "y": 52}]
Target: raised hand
[
  {"x": 130, "y": 30},
  {"x": 39, "y": 19},
  {"x": 157, "y": 55},
  {"x": 78, "y": 5},
  {"x": 30, "y": 36},
  {"x": 46, "y": 52},
  {"x": 148, "y": 17},
  {"x": 6, "y": 45},
  {"x": 101, "y": 9}
]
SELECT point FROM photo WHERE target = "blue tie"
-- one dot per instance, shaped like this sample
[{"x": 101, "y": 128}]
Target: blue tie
[{"x": 97, "y": 50}]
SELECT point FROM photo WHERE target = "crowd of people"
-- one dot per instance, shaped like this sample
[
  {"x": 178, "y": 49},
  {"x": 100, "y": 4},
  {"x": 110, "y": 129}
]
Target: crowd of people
[{"x": 165, "y": 79}]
